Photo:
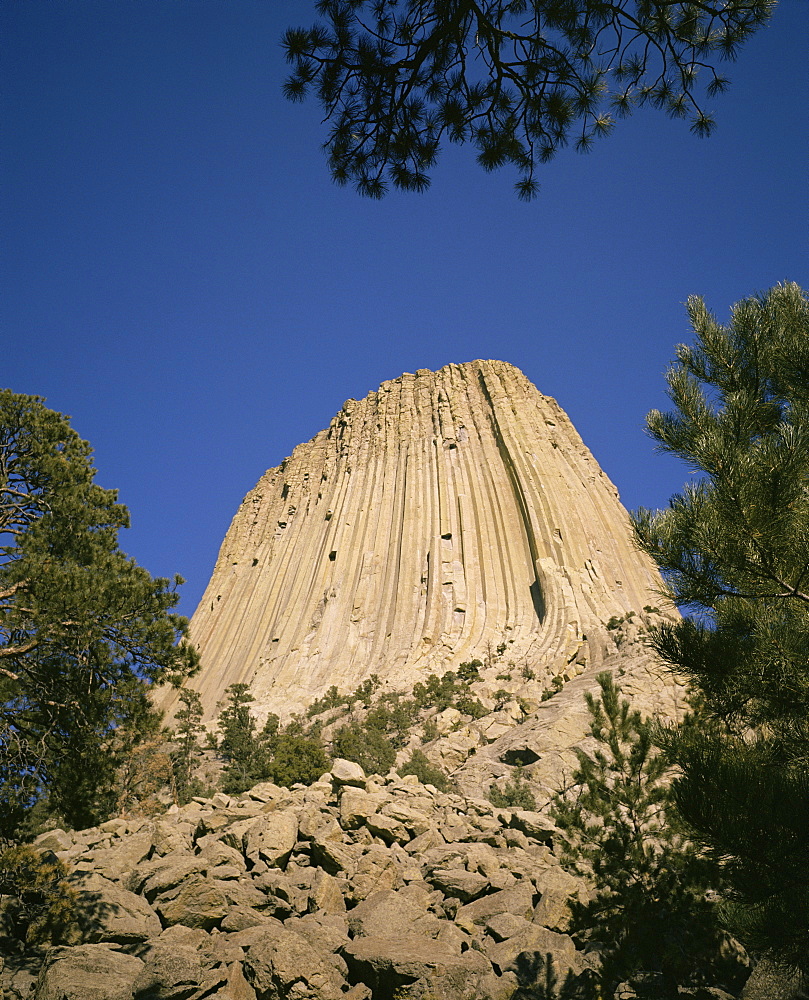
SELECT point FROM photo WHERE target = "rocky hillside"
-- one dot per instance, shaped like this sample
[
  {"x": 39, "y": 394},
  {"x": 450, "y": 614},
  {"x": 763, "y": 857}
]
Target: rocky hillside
[{"x": 372, "y": 887}]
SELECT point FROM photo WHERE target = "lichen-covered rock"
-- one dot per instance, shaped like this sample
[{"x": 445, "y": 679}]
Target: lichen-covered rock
[
  {"x": 519, "y": 901},
  {"x": 271, "y": 838},
  {"x": 459, "y": 884},
  {"x": 393, "y": 912},
  {"x": 283, "y": 965},
  {"x": 347, "y": 772},
  {"x": 198, "y": 902},
  {"x": 557, "y": 888},
  {"x": 534, "y": 939},
  {"x": 87, "y": 972},
  {"x": 391, "y": 964},
  {"x": 375, "y": 870},
  {"x": 107, "y": 912}
]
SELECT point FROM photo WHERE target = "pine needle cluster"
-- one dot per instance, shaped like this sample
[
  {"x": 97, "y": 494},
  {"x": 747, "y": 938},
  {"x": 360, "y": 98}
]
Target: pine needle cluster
[
  {"x": 519, "y": 79},
  {"x": 734, "y": 549},
  {"x": 650, "y": 910}
]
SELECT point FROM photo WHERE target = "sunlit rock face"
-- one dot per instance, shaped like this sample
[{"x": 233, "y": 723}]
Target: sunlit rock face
[{"x": 445, "y": 515}]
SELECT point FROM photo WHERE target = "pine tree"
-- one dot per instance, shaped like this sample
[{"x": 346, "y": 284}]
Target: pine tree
[
  {"x": 517, "y": 78},
  {"x": 649, "y": 912},
  {"x": 245, "y": 754},
  {"x": 84, "y": 630},
  {"x": 734, "y": 550},
  {"x": 188, "y": 729}
]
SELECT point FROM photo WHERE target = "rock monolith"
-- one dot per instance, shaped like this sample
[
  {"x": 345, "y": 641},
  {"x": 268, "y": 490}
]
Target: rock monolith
[{"x": 445, "y": 515}]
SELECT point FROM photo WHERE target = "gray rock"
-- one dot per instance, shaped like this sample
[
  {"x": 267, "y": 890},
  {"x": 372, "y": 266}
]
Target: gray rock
[
  {"x": 107, "y": 912},
  {"x": 374, "y": 871},
  {"x": 459, "y": 884},
  {"x": 199, "y": 903},
  {"x": 414, "y": 820},
  {"x": 357, "y": 806},
  {"x": 87, "y": 972},
  {"x": 326, "y": 932},
  {"x": 327, "y": 894},
  {"x": 125, "y": 855},
  {"x": 346, "y": 772},
  {"x": 282, "y": 963},
  {"x": 390, "y": 964},
  {"x": 54, "y": 840},
  {"x": 170, "y": 973},
  {"x": 388, "y": 829},
  {"x": 535, "y": 939},
  {"x": 239, "y": 917},
  {"x": 556, "y": 887},
  {"x": 271, "y": 838},
  {"x": 518, "y": 901},
  {"x": 217, "y": 854},
  {"x": 429, "y": 840},
  {"x": 162, "y": 874},
  {"x": 773, "y": 981},
  {"x": 395, "y": 913},
  {"x": 503, "y": 926},
  {"x": 185, "y": 962},
  {"x": 169, "y": 837},
  {"x": 535, "y": 825}
]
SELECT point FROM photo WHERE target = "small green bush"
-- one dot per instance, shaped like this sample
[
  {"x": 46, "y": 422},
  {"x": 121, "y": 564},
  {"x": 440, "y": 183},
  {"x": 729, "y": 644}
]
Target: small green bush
[
  {"x": 370, "y": 748},
  {"x": 651, "y": 911},
  {"x": 426, "y": 772},
  {"x": 515, "y": 795},
  {"x": 37, "y": 906},
  {"x": 469, "y": 671},
  {"x": 297, "y": 759}
]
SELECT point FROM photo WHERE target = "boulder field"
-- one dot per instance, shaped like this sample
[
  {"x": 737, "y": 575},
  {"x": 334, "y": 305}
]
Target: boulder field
[{"x": 354, "y": 887}]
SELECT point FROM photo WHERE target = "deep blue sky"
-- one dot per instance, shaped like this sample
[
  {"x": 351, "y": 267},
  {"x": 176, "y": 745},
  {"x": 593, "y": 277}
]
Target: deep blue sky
[{"x": 180, "y": 275}]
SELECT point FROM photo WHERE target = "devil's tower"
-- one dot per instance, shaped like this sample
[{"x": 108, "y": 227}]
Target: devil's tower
[{"x": 442, "y": 516}]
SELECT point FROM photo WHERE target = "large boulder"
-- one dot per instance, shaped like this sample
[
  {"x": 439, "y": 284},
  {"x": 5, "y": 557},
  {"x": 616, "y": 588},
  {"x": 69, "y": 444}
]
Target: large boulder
[
  {"x": 271, "y": 838},
  {"x": 107, "y": 912},
  {"x": 391, "y": 965},
  {"x": 198, "y": 902},
  {"x": 87, "y": 972},
  {"x": 528, "y": 937},
  {"x": 519, "y": 901},
  {"x": 282, "y": 965},
  {"x": 394, "y": 912}
]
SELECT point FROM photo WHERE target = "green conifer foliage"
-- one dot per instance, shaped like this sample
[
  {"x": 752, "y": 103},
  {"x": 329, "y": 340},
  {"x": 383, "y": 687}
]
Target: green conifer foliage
[
  {"x": 83, "y": 629},
  {"x": 37, "y": 904},
  {"x": 734, "y": 548},
  {"x": 516, "y": 794},
  {"x": 427, "y": 773},
  {"x": 285, "y": 755},
  {"x": 649, "y": 912},
  {"x": 519, "y": 79},
  {"x": 246, "y": 755},
  {"x": 187, "y": 733}
]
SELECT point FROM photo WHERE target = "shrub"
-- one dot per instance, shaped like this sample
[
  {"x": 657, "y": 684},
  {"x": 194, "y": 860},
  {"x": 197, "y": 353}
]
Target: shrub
[
  {"x": 538, "y": 980},
  {"x": 370, "y": 748},
  {"x": 426, "y": 772},
  {"x": 650, "y": 910},
  {"x": 515, "y": 795},
  {"x": 469, "y": 671},
  {"x": 297, "y": 758},
  {"x": 331, "y": 699},
  {"x": 37, "y": 906}
]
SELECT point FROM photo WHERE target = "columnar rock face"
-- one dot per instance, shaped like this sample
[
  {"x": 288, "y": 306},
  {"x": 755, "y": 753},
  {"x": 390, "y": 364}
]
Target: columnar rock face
[{"x": 442, "y": 516}]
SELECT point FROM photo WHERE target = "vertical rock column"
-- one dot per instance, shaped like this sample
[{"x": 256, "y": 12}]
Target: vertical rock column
[{"x": 441, "y": 516}]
